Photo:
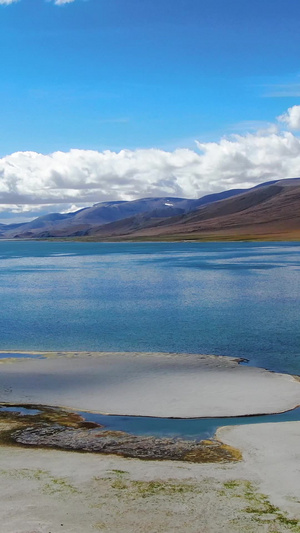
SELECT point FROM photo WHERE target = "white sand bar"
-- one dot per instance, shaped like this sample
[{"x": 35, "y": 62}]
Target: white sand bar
[
  {"x": 271, "y": 455},
  {"x": 162, "y": 385}
]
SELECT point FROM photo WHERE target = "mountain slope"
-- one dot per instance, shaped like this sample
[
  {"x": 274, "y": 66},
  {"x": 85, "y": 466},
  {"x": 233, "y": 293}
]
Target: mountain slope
[
  {"x": 269, "y": 209},
  {"x": 79, "y": 222},
  {"x": 266, "y": 210}
]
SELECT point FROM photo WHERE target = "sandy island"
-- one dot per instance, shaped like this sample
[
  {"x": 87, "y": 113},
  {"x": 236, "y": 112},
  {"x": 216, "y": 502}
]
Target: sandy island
[{"x": 160, "y": 385}]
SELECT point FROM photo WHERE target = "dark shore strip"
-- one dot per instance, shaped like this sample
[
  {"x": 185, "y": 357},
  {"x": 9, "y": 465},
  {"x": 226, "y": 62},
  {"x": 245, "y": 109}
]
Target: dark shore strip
[{"x": 65, "y": 430}]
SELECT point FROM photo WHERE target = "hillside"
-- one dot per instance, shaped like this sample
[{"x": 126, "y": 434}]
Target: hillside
[
  {"x": 80, "y": 222},
  {"x": 268, "y": 211}
]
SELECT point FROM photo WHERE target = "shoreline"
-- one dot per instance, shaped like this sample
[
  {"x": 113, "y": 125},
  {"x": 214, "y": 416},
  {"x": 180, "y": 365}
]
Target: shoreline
[
  {"x": 150, "y": 417},
  {"x": 48, "y": 427},
  {"x": 280, "y": 237}
]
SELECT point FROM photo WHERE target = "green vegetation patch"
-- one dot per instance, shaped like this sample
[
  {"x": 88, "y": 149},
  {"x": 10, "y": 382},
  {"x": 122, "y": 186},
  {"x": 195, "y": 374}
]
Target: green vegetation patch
[
  {"x": 259, "y": 506},
  {"x": 153, "y": 488},
  {"x": 146, "y": 489},
  {"x": 50, "y": 484}
]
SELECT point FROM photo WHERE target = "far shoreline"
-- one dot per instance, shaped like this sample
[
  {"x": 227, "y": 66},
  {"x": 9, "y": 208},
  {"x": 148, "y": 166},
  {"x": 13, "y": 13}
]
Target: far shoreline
[{"x": 212, "y": 238}]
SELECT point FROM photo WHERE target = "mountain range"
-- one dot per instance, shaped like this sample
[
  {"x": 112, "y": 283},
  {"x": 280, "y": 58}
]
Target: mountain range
[{"x": 268, "y": 211}]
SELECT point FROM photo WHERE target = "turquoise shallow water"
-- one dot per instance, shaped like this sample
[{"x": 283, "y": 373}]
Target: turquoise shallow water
[
  {"x": 187, "y": 428},
  {"x": 238, "y": 299}
]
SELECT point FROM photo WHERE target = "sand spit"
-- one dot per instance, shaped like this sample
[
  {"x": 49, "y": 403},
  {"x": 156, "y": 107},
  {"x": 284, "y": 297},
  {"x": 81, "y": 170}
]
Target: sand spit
[
  {"x": 271, "y": 453},
  {"x": 69, "y": 492},
  {"x": 161, "y": 385}
]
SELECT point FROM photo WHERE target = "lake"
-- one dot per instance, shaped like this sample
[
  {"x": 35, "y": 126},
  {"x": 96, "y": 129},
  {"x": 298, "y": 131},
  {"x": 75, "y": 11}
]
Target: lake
[{"x": 237, "y": 299}]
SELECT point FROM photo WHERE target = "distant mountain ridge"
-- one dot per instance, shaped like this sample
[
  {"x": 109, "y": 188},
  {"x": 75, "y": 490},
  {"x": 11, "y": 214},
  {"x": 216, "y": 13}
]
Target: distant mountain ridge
[
  {"x": 271, "y": 208},
  {"x": 265, "y": 212},
  {"x": 79, "y": 222}
]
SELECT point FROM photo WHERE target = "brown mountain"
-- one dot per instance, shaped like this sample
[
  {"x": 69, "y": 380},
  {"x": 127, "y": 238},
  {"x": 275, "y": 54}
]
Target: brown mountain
[
  {"x": 80, "y": 222},
  {"x": 271, "y": 211},
  {"x": 267, "y": 211}
]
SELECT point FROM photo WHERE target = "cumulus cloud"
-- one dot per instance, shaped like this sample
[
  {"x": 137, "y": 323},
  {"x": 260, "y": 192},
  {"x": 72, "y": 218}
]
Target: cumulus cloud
[
  {"x": 56, "y": 2},
  {"x": 88, "y": 176},
  {"x": 291, "y": 118},
  {"x": 61, "y": 2}
]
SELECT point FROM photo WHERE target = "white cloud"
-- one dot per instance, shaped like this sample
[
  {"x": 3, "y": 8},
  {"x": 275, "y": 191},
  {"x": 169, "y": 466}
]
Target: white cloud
[
  {"x": 87, "y": 176},
  {"x": 56, "y": 2},
  {"x": 24, "y": 213},
  {"x": 71, "y": 208},
  {"x": 291, "y": 118},
  {"x": 61, "y": 2}
]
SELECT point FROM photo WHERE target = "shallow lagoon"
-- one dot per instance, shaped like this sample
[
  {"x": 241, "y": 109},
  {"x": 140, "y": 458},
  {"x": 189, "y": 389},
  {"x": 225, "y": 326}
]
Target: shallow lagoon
[
  {"x": 187, "y": 428},
  {"x": 237, "y": 299}
]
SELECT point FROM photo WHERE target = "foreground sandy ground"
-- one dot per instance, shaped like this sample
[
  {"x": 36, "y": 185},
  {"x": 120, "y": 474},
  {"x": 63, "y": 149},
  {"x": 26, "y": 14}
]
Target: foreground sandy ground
[
  {"x": 47, "y": 491},
  {"x": 166, "y": 385},
  {"x": 50, "y": 491}
]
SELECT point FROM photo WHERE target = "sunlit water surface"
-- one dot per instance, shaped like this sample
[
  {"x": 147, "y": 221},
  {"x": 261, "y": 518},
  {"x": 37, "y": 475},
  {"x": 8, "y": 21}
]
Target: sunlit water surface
[{"x": 237, "y": 299}]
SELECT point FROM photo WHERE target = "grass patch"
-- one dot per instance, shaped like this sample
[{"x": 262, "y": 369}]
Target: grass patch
[
  {"x": 59, "y": 485},
  {"x": 119, "y": 484},
  {"x": 145, "y": 489},
  {"x": 231, "y": 484},
  {"x": 259, "y": 505},
  {"x": 154, "y": 488},
  {"x": 50, "y": 484}
]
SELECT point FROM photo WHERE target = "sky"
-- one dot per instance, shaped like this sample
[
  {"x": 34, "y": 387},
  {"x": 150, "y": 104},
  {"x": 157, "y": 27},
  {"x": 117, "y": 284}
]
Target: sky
[{"x": 122, "y": 99}]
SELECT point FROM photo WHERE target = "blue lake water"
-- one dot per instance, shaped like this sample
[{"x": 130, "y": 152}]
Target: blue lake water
[
  {"x": 237, "y": 299},
  {"x": 18, "y": 355}
]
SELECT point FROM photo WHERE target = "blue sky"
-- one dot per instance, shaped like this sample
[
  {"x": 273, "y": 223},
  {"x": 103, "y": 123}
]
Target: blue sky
[
  {"x": 139, "y": 74},
  {"x": 135, "y": 73}
]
